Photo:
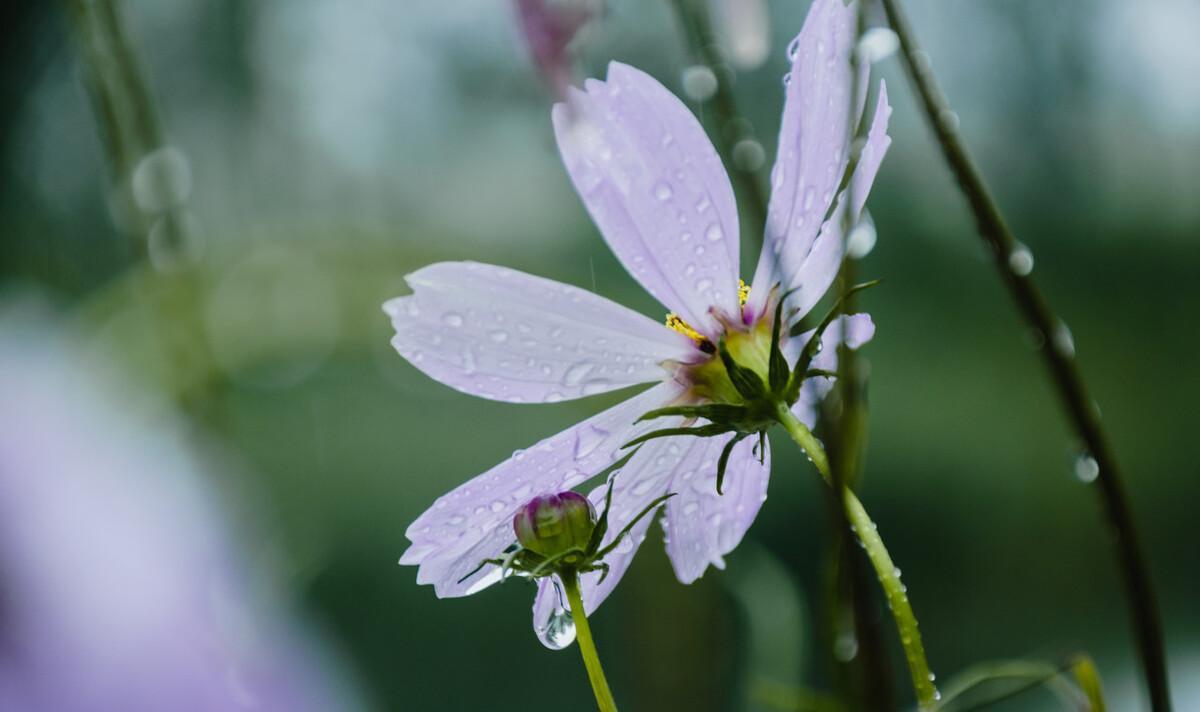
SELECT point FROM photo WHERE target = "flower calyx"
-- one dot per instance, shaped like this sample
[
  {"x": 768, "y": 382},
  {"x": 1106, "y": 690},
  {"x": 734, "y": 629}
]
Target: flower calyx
[
  {"x": 560, "y": 534},
  {"x": 745, "y": 391}
]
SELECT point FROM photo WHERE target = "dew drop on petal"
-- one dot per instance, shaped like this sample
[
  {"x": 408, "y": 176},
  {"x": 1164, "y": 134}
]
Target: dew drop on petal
[
  {"x": 714, "y": 233},
  {"x": 452, "y": 319},
  {"x": 587, "y": 439},
  {"x": 662, "y": 191},
  {"x": 577, "y": 372}
]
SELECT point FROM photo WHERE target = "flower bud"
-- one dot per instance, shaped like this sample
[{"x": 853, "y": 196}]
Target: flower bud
[{"x": 554, "y": 523}]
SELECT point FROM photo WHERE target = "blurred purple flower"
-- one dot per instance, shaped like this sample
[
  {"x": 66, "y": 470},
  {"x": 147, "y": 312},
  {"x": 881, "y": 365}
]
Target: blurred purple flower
[
  {"x": 549, "y": 26},
  {"x": 657, "y": 191},
  {"x": 118, "y": 589}
]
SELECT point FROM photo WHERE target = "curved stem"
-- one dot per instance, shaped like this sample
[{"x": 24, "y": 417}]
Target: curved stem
[
  {"x": 1059, "y": 360},
  {"x": 587, "y": 647},
  {"x": 889, "y": 576}
]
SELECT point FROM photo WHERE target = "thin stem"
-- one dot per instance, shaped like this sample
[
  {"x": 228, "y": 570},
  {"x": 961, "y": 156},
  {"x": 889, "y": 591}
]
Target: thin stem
[
  {"x": 1057, "y": 356},
  {"x": 731, "y": 127},
  {"x": 889, "y": 576},
  {"x": 587, "y": 647}
]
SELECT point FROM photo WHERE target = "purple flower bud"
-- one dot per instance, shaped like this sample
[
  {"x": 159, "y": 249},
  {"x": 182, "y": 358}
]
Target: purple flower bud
[{"x": 551, "y": 524}]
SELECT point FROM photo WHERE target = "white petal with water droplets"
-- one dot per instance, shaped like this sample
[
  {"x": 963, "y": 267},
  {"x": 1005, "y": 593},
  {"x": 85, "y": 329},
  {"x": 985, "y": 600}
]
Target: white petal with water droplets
[{"x": 506, "y": 335}]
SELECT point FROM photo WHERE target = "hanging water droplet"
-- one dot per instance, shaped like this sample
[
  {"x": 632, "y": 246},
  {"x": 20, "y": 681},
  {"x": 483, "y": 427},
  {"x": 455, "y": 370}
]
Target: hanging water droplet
[
  {"x": 748, "y": 155},
  {"x": 1020, "y": 260},
  {"x": 862, "y": 238},
  {"x": 877, "y": 43},
  {"x": 452, "y": 319},
  {"x": 699, "y": 82},
  {"x": 932, "y": 677},
  {"x": 559, "y": 631},
  {"x": 787, "y": 79},
  {"x": 1086, "y": 468},
  {"x": 845, "y": 647},
  {"x": 1063, "y": 341}
]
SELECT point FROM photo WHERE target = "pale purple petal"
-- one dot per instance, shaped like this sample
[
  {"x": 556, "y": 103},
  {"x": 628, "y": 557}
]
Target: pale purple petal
[
  {"x": 799, "y": 245},
  {"x": 701, "y": 525},
  {"x": 656, "y": 189},
  {"x": 816, "y": 271},
  {"x": 474, "y": 521},
  {"x": 506, "y": 335},
  {"x": 858, "y": 330}
]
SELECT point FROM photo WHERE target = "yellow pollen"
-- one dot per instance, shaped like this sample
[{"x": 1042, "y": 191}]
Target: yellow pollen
[{"x": 678, "y": 324}]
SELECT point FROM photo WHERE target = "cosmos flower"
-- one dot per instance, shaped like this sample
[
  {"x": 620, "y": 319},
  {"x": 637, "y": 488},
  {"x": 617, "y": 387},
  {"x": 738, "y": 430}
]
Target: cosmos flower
[
  {"x": 655, "y": 187},
  {"x": 119, "y": 589}
]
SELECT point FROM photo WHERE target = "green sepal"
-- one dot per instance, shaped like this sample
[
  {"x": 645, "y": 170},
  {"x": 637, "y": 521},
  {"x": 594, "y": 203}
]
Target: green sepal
[
  {"x": 777, "y": 368},
  {"x": 702, "y": 431},
  {"x": 716, "y": 412},
  {"x": 724, "y": 459},
  {"x": 601, "y": 527},
  {"x": 629, "y": 527},
  {"x": 809, "y": 352},
  {"x": 747, "y": 383}
]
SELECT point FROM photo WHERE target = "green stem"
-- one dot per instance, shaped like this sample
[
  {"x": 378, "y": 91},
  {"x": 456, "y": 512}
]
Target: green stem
[
  {"x": 587, "y": 647},
  {"x": 1059, "y": 361},
  {"x": 885, "y": 570}
]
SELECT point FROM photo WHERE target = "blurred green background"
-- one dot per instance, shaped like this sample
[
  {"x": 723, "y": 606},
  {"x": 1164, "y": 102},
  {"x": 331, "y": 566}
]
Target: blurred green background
[{"x": 322, "y": 150}]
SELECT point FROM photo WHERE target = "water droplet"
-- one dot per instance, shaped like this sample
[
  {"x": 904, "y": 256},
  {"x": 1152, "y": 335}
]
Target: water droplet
[
  {"x": 703, "y": 285},
  {"x": 559, "y": 631},
  {"x": 748, "y": 155},
  {"x": 845, "y": 647},
  {"x": 577, "y": 372},
  {"x": 1086, "y": 468},
  {"x": 468, "y": 357},
  {"x": 862, "y": 238},
  {"x": 793, "y": 49},
  {"x": 596, "y": 385},
  {"x": 896, "y": 572},
  {"x": 714, "y": 233},
  {"x": 932, "y": 677},
  {"x": 878, "y": 43},
  {"x": 662, "y": 192},
  {"x": 810, "y": 196},
  {"x": 452, "y": 319},
  {"x": 498, "y": 336},
  {"x": 1064, "y": 342},
  {"x": 1020, "y": 260},
  {"x": 690, "y": 508},
  {"x": 699, "y": 82},
  {"x": 498, "y": 506},
  {"x": 161, "y": 180},
  {"x": 587, "y": 439}
]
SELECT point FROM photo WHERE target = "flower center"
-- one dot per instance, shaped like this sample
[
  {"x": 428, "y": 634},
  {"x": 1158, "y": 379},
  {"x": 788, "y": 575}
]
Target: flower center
[{"x": 674, "y": 321}]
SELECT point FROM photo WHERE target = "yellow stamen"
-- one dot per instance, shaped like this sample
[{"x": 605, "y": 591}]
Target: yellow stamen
[{"x": 678, "y": 324}]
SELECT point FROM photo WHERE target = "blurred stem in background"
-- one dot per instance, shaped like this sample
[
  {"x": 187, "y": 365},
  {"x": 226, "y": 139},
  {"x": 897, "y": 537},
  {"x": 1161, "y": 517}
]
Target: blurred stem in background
[
  {"x": 152, "y": 180},
  {"x": 1057, "y": 352},
  {"x": 856, "y": 645},
  {"x": 587, "y": 647},
  {"x": 731, "y": 127}
]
